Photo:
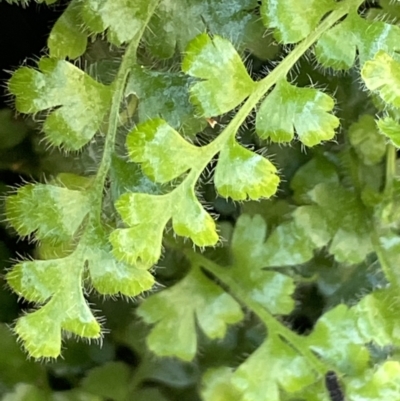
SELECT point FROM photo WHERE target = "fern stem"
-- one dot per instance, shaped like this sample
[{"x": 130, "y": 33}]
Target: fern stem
[
  {"x": 128, "y": 60},
  {"x": 274, "y": 326},
  {"x": 390, "y": 170}
]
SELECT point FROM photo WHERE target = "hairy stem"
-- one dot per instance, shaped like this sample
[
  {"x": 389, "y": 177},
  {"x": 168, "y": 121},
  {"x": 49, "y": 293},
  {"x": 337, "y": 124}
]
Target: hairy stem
[
  {"x": 273, "y": 325},
  {"x": 128, "y": 60}
]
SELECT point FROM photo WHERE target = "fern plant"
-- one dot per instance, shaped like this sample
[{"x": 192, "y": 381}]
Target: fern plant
[{"x": 164, "y": 102}]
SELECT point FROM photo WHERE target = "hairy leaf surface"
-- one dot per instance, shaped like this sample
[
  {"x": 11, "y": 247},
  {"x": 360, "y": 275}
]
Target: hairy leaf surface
[
  {"x": 39, "y": 281},
  {"x": 45, "y": 210},
  {"x": 190, "y": 219},
  {"x": 382, "y": 74},
  {"x": 110, "y": 276},
  {"x": 242, "y": 174},
  {"x": 224, "y": 80},
  {"x": 305, "y": 109},
  {"x": 143, "y": 240},
  {"x": 162, "y": 152},
  {"x": 79, "y": 102}
]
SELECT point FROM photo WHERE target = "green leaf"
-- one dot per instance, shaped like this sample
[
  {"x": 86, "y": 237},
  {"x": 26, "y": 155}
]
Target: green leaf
[
  {"x": 162, "y": 152},
  {"x": 272, "y": 290},
  {"x": 314, "y": 223},
  {"x": 305, "y": 109},
  {"x": 124, "y": 21},
  {"x": 110, "y": 381},
  {"x": 141, "y": 242},
  {"x": 80, "y": 102},
  {"x": 315, "y": 392},
  {"x": 165, "y": 95},
  {"x": 175, "y": 25},
  {"x": 286, "y": 245},
  {"x": 369, "y": 144},
  {"x": 176, "y": 308},
  {"x": 278, "y": 366},
  {"x": 382, "y": 383},
  {"x": 293, "y": 20},
  {"x": 37, "y": 280},
  {"x": 46, "y": 210},
  {"x": 318, "y": 169},
  {"x": 110, "y": 276},
  {"x": 216, "y": 385},
  {"x": 391, "y": 129},
  {"x": 376, "y": 316},
  {"x": 67, "y": 38},
  {"x": 224, "y": 84},
  {"x": 336, "y": 339},
  {"x": 189, "y": 218},
  {"x": 73, "y": 181},
  {"x": 242, "y": 174},
  {"x": 248, "y": 241},
  {"x": 382, "y": 74},
  {"x": 350, "y": 234},
  {"x": 337, "y": 47},
  {"x": 44, "y": 281},
  {"x": 289, "y": 244},
  {"x": 390, "y": 243},
  {"x": 258, "y": 43},
  {"x": 67, "y": 309}
]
